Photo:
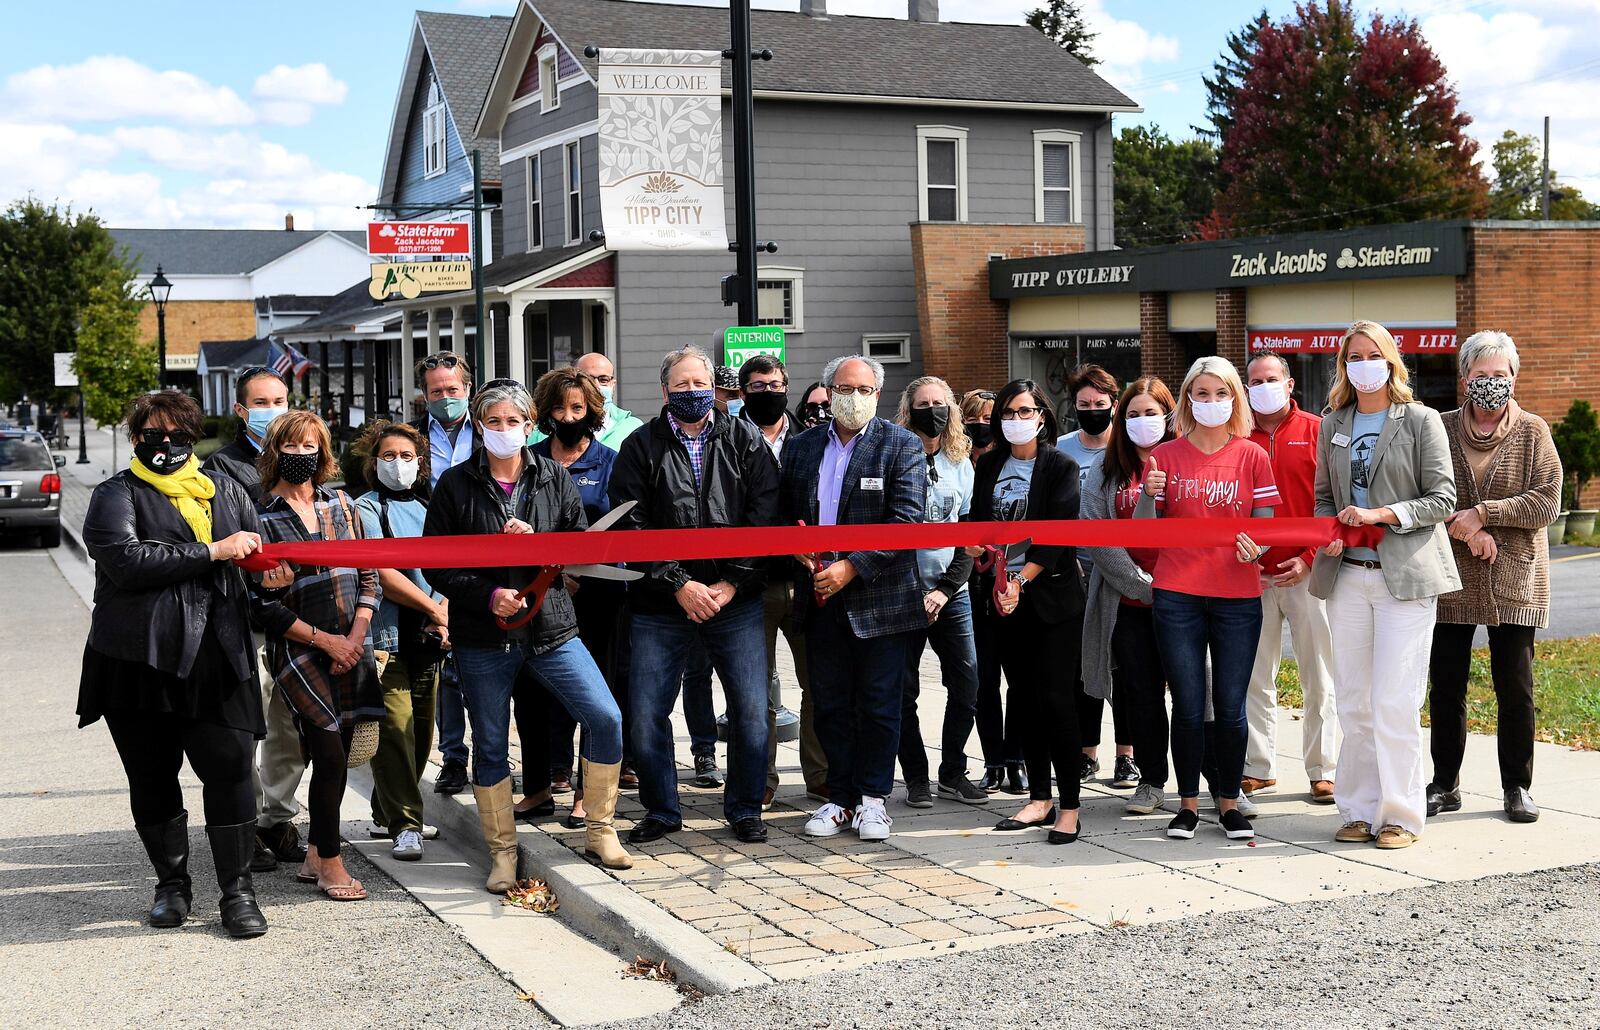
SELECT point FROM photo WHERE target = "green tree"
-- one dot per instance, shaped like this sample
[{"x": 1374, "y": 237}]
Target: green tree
[
  {"x": 1164, "y": 188},
  {"x": 112, "y": 363},
  {"x": 51, "y": 261},
  {"x": 1062, "y": 21},
  {"x": 1577, "y": 439},
  {"x": 1518, "y": 177},
  {"x": 1239, "y": 51}
]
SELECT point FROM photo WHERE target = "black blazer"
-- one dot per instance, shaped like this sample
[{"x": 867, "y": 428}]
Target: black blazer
[
  {"x": 155, "y": 585},
  {"x": 1057, "y": 593}
]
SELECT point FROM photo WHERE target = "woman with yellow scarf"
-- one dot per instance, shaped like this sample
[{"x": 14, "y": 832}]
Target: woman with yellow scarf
[{"x": 169, "y": 663}]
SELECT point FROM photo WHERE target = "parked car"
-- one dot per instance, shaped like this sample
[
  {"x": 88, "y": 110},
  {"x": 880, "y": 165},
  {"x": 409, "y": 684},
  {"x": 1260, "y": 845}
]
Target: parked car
[{"x": 30, "y": 486}]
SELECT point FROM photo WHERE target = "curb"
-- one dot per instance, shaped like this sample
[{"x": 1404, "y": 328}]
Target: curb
[
  {"x": 592, "y": 903},
  {"x": 74, "y": 543}
]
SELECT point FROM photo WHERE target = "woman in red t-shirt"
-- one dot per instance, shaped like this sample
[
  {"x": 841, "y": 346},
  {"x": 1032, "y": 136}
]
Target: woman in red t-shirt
[
  {"x": 1208, "y": 599},
  {"x": 1120, "y": 654}
]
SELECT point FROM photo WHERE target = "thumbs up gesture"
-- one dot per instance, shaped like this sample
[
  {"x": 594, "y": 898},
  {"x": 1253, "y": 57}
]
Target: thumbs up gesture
[{"x": 1155, "y": 480}]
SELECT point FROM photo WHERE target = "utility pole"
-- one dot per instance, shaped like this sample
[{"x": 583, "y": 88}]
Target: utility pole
[
  {"x": 744, "y": 176},
  {"x": 1544, "y": 175}
]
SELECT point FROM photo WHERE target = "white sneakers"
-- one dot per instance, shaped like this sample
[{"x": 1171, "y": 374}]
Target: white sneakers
[
  {"x": 828, "y": 821},
  {"x": 408, "y": 846},
  {"x": 872, "y": 822}
]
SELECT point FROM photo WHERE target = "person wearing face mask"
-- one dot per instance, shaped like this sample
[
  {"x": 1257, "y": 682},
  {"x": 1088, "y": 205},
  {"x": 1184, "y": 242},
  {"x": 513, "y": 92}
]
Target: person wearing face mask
[
  {"x": 926, "y": 408},
  {"x": 1037, "y": 618},
  {"x": 169, "y": 662},
  {"x": 694, "y": 468},
  {"x": 764, "y": 386},
  {"x": 1207, "y": 600},
  {"x": 571, "y": 412},
  {"x": 1383, "y": 459},
  {"x": 261, "y": 396},
  {"x": 815, "y": 407},
  {"x": 617, "y": 423},
  {"x": 1120, "y": 653},
  {"x": 508, "y": 489},
  {"x": 729, "y": 400},
  {"x": 861, "y": 610},
  {"x": 1289, "y": 436},
  {"x": 318, "y": 623},
  {"x": 412, "y": 626},
  {"x": 1508, "y": 489},
  {"x": 1094, "y": 396}
]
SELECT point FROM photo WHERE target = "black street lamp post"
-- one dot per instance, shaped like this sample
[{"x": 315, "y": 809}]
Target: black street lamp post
[{"x": 160, "y": 290}]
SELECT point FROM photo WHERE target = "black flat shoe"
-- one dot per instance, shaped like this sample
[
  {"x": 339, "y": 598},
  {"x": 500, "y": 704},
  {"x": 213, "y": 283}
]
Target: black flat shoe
[
  {"x": 1013, "y": 825},
  {"x": 750, "y": 831},
  {"x": 574, "y": 822},
  {"x": 1520, "y": 807},
  {"x": 650, "y": 829},
  {"x": 1016, "y": 780},
  {"x": 541, "y": 810},
  {"x": 1063, "y": 837},
  {"x": 994, "y": 777},
  {"x": 284, "y": 840},
  {"x": 1441, "y": 800}
]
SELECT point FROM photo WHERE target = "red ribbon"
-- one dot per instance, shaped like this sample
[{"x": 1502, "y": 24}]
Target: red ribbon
[{"x": 611, "y": 548}]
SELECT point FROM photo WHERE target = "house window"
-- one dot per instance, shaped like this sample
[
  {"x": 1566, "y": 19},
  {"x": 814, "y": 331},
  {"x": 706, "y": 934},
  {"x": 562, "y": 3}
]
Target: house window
[
  {"x": 549, "y": 92},
  {"x": 941, "y": 173},
  {"x": 887, "y": 347},
  {"x": 574, "y": 193},
  {"x": 780, "y": 298},
  {"x": 434, "y": 133},
  {"x": 535, "y": 203},
  {"x": 1055, "y": 176}
]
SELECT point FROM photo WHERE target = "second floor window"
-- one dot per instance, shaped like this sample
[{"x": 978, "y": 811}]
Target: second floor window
[
  {"x": 1055, "y": 171},
  {"x": 780, "y": 298},
  {"x": 535, "y": 204},
  {"x": 574, "y": 166},
  {"x": 549, "y": 74},
  {"x": 941, "y": 173},
  {"x": 434, "y": 131}
]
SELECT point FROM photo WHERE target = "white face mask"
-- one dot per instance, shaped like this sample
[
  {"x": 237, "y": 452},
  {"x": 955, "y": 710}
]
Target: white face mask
[
  {"x": 605, "y": 391},
  {"x": 398, "y": 474},
  {"x": 1147, "y": 430},
  {"x": 503, "y": 444},
  {"x": 1212, "y": 414},
  {"x": 1019, "y": 430},
  {"x": 852, "y": 411},
  {"x": 1368, "y": 376},
  {"x": 1268, "y": 398}
]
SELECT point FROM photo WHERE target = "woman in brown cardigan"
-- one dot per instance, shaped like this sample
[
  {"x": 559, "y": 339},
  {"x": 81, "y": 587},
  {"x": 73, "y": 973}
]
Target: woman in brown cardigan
[{"x": 1508, "y": 489}]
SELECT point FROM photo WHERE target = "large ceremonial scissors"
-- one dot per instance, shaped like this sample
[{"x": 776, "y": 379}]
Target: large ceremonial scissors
[
  {"x": 999, "y": 559},
  {"x": 548, "y": 573}
]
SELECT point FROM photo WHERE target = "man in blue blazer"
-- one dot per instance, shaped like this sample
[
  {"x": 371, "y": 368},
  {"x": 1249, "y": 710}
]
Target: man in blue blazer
[{"x": 860, "y": 609}]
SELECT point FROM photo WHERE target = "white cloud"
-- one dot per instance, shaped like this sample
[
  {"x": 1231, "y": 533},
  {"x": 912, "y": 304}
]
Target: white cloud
[
  {"x": 112, "y": 88},
  {"x": 290, "y": 96}
]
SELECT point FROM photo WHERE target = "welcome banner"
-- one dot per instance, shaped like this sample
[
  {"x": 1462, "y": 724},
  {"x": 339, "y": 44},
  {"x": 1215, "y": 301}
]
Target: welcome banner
[{"x": 661, "y": 150}]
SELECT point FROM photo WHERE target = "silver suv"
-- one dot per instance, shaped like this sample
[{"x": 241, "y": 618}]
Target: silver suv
[{"x": 30, "y": 486}]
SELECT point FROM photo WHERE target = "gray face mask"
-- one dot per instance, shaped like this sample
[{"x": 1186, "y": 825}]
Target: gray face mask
[
  {"x": 398, "y": 475},
  {"x": 1488, "y": 393}
]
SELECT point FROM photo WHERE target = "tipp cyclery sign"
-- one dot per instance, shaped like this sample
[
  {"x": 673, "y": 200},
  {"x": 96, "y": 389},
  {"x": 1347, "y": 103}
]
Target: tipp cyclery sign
[
  {"x": 661, "y": 150},
  {"x": 411, "y": 279}
]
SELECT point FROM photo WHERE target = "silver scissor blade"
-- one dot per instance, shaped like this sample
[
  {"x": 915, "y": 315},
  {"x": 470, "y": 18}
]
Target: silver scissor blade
[
  {"x": 1021, "y": 546},
  {"x": 603, "y": 572},
  {"x": 610, "y": 518}
]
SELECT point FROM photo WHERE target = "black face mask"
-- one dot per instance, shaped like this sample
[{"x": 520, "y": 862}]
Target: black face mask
[
  {"x": 569, "y": 433},
  {"x": 980, "y": 433},
  {"x": 1094, "y": 421},
  {"x": 765, "y": 408},
  {"x": 163, "y": 458},
  {"x": 931, "y": 421},
  {"x": 298, "y": 468},
  {"x": 815, "y": 414}
]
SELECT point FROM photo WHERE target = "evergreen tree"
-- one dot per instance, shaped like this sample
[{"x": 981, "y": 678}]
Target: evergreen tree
[{"x": 1062, "y": 21}]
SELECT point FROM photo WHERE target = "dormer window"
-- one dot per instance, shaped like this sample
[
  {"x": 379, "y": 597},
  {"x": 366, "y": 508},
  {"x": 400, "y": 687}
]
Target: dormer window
[{"x": 434, "y": 130}]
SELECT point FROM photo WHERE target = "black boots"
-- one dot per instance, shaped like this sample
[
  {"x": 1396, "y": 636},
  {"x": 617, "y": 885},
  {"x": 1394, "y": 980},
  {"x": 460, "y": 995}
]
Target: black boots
[
  {"x": 231, "y": 849},
  {"x": 167, "y": 844}
]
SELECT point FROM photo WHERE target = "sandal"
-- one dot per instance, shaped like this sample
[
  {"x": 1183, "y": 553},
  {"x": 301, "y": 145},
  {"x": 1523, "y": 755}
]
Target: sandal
[
  {"x": 304, "y": 876},
  {"x": 352, "y": 891}
]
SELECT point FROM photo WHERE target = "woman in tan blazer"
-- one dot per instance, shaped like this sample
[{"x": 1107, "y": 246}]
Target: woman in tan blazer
[{"x": 1382, "y": 460}]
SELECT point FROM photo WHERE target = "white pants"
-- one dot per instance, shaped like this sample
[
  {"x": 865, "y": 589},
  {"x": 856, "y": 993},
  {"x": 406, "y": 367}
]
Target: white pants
[
  {"x": 280, "y": 765},
  {"x": 1381, "y": 668},
  {"x": 1313, "y": 651}
]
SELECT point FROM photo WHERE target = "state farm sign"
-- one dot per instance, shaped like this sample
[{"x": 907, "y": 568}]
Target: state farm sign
[
  {"x": 1412, "y": 340},
  {"x": 418, "y": 239}
]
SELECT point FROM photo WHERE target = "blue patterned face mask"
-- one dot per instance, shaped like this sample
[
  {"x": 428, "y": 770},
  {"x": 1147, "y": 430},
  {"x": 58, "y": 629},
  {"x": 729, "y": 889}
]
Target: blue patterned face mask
[{"x": 690, "y": 405}]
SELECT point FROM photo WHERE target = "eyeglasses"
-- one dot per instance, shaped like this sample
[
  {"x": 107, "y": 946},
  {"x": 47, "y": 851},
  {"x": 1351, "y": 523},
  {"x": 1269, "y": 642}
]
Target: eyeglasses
[
  {"x": 845, "y": 391},
  {"x": 155, "y": 437},
  {"x": 605, "y": 380},
  {"x": 434, "y": 361},
  {"x": 1016, "y": 414},
  {"x": 757, "y": 386},
  {"x": 256, "y": 370},
  {"x": 985, "y": 395},
  {"x": 933, "y": 470},
  {"x": 497, "y": 383}
]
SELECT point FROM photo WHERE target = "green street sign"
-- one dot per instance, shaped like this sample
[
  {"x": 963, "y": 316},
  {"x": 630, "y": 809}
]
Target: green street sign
[{"x": 741, "y": 343}]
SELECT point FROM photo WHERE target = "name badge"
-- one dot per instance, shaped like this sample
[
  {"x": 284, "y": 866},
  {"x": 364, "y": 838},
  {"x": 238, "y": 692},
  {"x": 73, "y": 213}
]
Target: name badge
[
  {"x": 872, "y": 484},
  {"x": 1340, "y": 440}
]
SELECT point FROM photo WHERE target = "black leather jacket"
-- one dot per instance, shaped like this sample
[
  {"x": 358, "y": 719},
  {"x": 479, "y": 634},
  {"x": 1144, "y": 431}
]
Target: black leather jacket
[
  {"x": 155, "y": 585},
  {"x": 469, "y": 501},
  {"x": 237, "y": 461}
]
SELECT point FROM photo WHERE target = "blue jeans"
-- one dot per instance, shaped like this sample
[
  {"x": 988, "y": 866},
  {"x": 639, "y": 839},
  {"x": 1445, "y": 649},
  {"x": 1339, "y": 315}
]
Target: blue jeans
[
  {"x": 451, "y": 714},
  {"x": 858, "y": 685},
  {"x": 1187, "y": 626},
  {"x": 662, "y": 645},
  {"x": 488, "y": 675},
  {"x": 951, "y": 637},
  {"x": 699, "y": 711}
]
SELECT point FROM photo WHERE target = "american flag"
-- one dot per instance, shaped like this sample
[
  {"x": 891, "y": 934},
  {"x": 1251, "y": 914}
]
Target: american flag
[{"x": 285, "y": 360}]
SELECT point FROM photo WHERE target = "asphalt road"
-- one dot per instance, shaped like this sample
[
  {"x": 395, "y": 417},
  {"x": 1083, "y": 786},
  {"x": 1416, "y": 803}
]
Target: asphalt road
[{"x": 74, "y": 885}]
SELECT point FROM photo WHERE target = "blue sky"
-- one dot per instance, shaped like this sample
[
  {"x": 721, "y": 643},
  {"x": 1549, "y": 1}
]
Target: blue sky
[{"x": 230, "y": 114}]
